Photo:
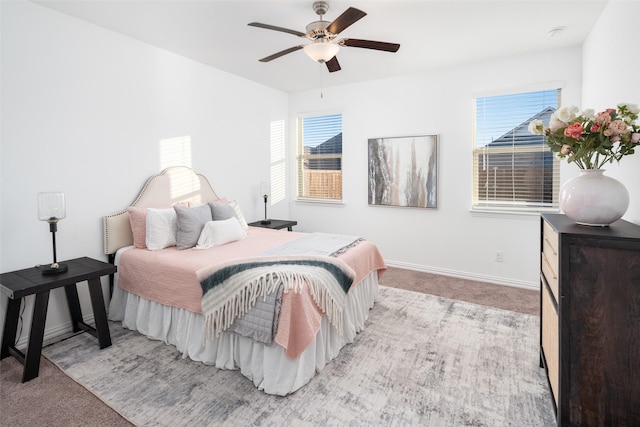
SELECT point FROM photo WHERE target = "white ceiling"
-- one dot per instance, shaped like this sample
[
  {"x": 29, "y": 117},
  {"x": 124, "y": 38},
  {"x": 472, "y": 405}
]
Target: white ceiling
[{"x": 432, "y": 33}]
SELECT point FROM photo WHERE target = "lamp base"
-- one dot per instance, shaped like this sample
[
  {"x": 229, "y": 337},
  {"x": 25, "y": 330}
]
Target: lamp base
[
  {"x": 265, "y": 221},
  {"x": 54, "y": 268}
]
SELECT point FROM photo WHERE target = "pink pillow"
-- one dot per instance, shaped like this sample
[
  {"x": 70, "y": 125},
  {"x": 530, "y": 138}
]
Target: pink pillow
[{"x": 138, "y": 220}]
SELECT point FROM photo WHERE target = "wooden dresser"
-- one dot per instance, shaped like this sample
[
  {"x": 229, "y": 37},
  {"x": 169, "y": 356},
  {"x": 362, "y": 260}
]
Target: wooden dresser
[{"x": 590, "y": 320}]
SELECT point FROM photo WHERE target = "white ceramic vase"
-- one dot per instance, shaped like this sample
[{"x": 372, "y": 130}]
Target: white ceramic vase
[{"x": 593, "y": 198}]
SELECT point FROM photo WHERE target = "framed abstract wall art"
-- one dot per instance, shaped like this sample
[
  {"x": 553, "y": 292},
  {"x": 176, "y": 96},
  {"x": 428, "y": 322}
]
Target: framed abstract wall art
[{"x": 403, "y": 171}]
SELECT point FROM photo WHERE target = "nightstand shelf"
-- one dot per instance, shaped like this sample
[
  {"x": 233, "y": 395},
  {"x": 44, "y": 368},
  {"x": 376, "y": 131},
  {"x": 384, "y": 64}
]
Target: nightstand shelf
[{"x": 276, "y": 224}]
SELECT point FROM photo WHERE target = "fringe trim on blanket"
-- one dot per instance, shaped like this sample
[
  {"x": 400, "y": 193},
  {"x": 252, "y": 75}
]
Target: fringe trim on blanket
[
  {"x": 222, "y": 309},
  {"x": 346, "y": 248}
]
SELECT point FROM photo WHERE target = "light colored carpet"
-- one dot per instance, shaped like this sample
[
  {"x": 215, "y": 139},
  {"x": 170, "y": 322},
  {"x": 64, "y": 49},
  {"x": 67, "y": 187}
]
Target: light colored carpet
[{"x": 422, "y": 360}]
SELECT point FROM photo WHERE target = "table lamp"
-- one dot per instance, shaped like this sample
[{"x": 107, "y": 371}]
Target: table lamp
[
  {"x": 264, "y": 190},
  {"x": 51, "y": 208}
]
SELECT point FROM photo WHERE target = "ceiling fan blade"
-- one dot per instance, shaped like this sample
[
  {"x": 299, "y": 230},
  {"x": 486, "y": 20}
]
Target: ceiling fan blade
[
  {"x": 370, "y": 44},
  {"x": 347, "y": 18},
  {"x": 274, "y": 28},
  {"x": 333, "y": 65},
  {"x": 281, "y": 53}
]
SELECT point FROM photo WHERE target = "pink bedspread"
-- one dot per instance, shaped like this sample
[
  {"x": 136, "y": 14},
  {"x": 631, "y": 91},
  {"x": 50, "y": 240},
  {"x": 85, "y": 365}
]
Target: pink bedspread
[{"x": 169, "y": 277}]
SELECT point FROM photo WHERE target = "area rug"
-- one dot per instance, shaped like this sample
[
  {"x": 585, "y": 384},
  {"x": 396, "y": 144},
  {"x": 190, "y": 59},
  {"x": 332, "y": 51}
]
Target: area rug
[{"x": 422, "y": 360}]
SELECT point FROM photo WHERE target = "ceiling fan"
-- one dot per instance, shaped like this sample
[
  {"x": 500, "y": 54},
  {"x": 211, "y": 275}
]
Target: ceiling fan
[{"x": 322, "y": 33}]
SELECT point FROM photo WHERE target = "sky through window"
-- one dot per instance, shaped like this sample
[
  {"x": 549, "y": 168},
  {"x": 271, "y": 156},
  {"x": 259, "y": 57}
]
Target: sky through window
[
  {"x": 497, "y": 115},
  {"x": 318, "y": 129}
]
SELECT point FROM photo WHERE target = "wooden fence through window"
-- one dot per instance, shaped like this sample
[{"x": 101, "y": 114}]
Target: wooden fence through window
[{"x": 322, "y": 184}]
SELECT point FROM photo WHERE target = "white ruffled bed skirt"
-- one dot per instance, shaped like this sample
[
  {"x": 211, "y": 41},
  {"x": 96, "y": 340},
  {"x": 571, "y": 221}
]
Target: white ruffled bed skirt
[{"x": 265, "y": 365}]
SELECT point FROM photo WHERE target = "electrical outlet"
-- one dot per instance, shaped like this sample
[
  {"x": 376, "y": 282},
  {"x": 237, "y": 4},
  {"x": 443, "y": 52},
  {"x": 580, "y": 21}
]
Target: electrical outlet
[{"x": 499, "y": 256}]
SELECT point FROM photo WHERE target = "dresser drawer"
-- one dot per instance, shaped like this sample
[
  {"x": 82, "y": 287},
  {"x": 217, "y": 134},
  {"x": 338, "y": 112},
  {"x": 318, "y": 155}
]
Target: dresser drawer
[
  {"x": 550, "y": 275},
  {"x": 550, "y": 340},
  {"x": 550, "y": 258},
  {"x": 550, "y": 244}
]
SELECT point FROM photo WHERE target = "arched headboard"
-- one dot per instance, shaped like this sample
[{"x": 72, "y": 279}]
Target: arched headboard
[{"x": 178, "y": 184}]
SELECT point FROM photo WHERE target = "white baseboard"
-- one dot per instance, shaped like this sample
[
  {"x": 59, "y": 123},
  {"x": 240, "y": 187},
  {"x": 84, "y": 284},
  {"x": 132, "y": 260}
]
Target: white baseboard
[
  {"x": 534, "y": 286},
  {"x": 54, "y": 333}
]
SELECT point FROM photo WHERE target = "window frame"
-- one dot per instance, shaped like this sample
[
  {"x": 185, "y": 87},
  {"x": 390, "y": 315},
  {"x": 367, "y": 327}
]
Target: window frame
[
  {"x": 301, "y": 157},
  {"x": 479, "y": 205}
]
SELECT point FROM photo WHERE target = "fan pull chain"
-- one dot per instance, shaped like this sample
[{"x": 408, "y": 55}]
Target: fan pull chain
[{"x": 321, "y": 84}]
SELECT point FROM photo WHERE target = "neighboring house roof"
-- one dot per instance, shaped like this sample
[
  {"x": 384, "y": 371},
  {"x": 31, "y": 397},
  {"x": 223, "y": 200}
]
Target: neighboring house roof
[
  {"x": 520, "y": 134},
  {"x": 332, "y": 145}
]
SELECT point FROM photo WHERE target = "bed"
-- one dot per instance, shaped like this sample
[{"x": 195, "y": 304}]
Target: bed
[{"x": 275, "y": 305}]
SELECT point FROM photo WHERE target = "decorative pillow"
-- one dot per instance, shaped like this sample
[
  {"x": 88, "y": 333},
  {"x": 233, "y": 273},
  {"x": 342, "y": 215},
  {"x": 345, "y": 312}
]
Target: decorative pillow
[
  {"x": 217, "y": 233},
  {"x": 138, "y": 221},
  {"x": 190, "y": 222},
  {"x": 162, "y": 228},
  {"x": 228, "y": 209},
  {"x": 221, "y": 211},
  {"x": 239, "y": 215}
]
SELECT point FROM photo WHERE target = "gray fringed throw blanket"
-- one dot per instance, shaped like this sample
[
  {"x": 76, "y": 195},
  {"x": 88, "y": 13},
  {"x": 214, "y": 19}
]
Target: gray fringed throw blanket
[
  {"x": 321, "y": 244},
  {"x": 231, "y": 290}
]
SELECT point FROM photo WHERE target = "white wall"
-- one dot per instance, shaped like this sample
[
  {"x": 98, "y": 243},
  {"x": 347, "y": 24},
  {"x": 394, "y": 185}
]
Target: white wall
[
  {"x": 450, "y": 240},
  {"x": 83, "y": 111},
  {"x": 611, "y": 68}
]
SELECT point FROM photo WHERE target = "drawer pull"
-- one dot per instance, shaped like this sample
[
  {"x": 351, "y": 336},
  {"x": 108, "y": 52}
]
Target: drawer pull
[
  {"x": 549, "y": 243},
  {"x": 544, "y": 258}
]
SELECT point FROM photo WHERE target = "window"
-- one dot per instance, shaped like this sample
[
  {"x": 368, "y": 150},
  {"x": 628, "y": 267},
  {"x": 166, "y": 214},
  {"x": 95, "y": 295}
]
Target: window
[
  {"x": 320, "y": 157},
  {"x": 514, "y": 169}
]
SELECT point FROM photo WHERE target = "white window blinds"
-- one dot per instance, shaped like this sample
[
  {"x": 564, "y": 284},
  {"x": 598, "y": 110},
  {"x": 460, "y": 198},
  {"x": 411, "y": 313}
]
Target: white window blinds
[
  {"x": 512, "y": 168},
  {"x": 319, "y": 140}
]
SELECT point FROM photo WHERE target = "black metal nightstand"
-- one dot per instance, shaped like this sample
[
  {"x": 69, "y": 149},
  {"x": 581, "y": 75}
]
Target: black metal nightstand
[
  {"x": 276, "y": 224},
  {"x": 30, "y": 281}
]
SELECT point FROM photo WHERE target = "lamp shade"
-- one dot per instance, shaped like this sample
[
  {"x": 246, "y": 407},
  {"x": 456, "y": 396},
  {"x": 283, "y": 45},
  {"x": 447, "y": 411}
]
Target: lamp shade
[
  {"x": 51, "y": 206},
  {"x": 265, "y": 188},
  {"x": 321, "y": 51}
]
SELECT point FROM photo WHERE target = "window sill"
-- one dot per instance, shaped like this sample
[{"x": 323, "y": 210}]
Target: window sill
[
  {"x": 330, "y": 202},
  {"x": 510, "y": 213}
]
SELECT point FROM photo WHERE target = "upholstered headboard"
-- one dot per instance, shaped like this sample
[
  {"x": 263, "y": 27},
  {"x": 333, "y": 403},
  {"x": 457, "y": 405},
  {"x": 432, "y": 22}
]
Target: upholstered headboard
[{"x": 173, "y": 185}]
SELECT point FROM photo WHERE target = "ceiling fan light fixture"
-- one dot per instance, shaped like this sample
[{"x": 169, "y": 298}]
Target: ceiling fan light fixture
[
  {"x": 321, "y": 51},
  {"x": 323, "y": 48}
]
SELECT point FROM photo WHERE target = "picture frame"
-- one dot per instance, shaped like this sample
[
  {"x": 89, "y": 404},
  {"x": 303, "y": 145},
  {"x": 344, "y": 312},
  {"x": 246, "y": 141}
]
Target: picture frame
[{"x": 403, "y": 171}]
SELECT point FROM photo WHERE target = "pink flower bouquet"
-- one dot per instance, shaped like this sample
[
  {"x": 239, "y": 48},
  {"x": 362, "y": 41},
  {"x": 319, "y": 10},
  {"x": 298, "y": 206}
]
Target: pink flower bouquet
[{"x": 590, "y": 140}]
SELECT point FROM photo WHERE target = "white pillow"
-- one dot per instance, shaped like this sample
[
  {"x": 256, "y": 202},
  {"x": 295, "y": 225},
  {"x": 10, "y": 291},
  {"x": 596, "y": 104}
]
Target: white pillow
[
  {"x": 162, "y": 228},
  {"x": 217, "y": 233}
]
